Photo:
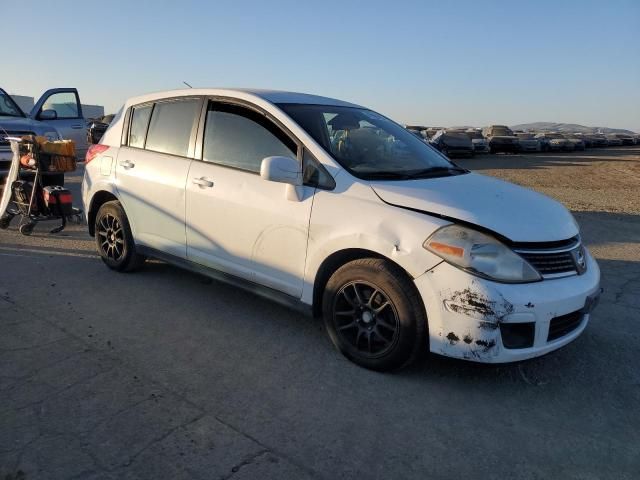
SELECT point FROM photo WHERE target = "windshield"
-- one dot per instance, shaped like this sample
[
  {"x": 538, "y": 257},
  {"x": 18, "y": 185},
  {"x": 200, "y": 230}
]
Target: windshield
[
  {"x": 369, "y": 145},
  {"x": 474, "y": 135},
  {"x": 501, "y": 132},
  {"x": 8, "y": 107}
]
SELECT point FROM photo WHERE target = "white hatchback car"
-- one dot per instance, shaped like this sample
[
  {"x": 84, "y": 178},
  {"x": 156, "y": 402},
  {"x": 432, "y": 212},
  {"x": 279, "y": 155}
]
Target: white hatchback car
[{"x": 331, "y": 207}]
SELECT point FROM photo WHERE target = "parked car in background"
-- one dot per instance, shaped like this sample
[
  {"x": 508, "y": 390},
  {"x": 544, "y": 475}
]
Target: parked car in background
[
  {"x": 588, "y": 141},
  {"x": 55, "y": 115},
  {"x": 96, "y": 128},
  {"x": 500, "y": 138},
  {"x": 576, "y": 140},
  {"x": 453, "y": 143},
  {"x": 402, "y": 252},
  {"x": 431, "y": 131},
  {"x": 480, "y": 144},
  {"x": 556, "y": 141},
  {"x": 528, "y": 143},
  {"x": 419, "y": 129},
  {"x": 613, "y": 140},
  {"x": 625, "y": 138},
  {"x": 598, "y": 140}
]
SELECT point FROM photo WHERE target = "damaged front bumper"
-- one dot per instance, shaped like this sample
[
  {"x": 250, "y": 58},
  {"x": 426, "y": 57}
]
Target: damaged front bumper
[{"x": 484, "y": 321}]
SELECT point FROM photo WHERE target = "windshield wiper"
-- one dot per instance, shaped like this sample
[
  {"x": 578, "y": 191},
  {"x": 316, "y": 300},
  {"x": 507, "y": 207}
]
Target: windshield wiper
[
  {"x": 390, "y": 175},
  {"x": 436, "y": 171},
  {"x": 416, "y": 174}
]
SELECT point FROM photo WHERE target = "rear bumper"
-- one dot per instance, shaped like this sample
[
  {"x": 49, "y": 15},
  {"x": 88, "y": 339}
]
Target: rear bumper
[{"x": 479, "y": 320}]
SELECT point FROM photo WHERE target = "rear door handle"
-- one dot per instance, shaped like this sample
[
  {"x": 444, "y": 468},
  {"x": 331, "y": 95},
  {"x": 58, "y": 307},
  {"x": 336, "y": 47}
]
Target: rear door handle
[
  {"x": 203, "y": 182},
  {"x": 77, "y": 127},
  {"x": 127, "y": 164}
]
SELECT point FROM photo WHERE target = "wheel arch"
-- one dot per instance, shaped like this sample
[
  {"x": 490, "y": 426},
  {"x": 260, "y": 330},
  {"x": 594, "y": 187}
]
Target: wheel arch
[
  {"x": 99, "y": 198},
  {"x": 336, "y": 260}
]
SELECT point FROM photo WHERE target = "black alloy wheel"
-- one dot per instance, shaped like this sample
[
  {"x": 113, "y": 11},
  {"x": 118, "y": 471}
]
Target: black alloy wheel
[
  {"x": 365, "y": 318},
  {"x": 110, "y": 237}
]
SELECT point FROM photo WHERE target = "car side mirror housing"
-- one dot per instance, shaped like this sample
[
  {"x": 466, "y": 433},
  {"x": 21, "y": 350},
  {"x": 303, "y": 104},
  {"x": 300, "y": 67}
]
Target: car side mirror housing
[
  {"x": 48, "y": 115},
  {"x": 281, "y": 170}
]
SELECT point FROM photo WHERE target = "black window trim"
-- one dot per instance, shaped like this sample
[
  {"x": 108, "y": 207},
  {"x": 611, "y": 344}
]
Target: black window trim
[
  {"x": 194, "y": 127},
  {"x": 75, "y": 93},
  {"x": 237, "y": 102},
  {"x": 300, "y": 147}
]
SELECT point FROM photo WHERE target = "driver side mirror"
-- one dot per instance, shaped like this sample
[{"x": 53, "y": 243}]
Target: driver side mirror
[
  {"x": 48, "y": 115},
  {"x": 282, "y": 170}
]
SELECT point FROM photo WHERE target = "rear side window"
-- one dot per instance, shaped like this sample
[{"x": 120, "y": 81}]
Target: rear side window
[
  {"x": 240, "y": 138},
  {"x": 171, "y": 125},
  {"x": 139, "y": 122}
]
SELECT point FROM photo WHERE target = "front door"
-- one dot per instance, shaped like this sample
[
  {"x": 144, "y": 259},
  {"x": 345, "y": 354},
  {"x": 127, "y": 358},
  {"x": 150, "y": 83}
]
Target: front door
[
  {"x": 236, "y": 221},
  {"x": 68, "y": 121}
]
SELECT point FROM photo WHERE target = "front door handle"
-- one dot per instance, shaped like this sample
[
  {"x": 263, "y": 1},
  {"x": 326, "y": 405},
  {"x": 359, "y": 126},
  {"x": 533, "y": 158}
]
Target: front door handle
[
  {"x": 77, "y": 127},
  {"x": 127, "y": 164},
  {"x": 203, "y": 182}
]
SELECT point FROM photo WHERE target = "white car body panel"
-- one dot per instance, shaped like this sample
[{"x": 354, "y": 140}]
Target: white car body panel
[
  {"x": 256, "y": 230},
  {"x": 490, "y": 203},
  {"x": 465, "y": 312},
  {"x": 268, "y": 246},
  {"x": 151, "y": 187},
  {"x": 365, "y": 222}
]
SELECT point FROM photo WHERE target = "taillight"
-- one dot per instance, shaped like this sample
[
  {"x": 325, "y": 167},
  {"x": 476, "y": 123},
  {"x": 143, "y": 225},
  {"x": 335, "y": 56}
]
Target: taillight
[{"x": 94, "y": 151}]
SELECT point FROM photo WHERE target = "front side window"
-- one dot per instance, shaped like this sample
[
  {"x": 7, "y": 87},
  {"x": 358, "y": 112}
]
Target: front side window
[
  {"x": 139, "y": 123},
  {"x": 369, "y": 145},
  {"x": 238, "y": 137},
  {"x": 65, "y": 105},
  {"x": 171, "y": 125},
  {"x": 8, "y": 106}
]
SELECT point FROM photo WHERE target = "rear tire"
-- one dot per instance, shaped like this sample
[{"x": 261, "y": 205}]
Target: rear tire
[
  {"x": 114, "y": 240},
  {"x": 5, "y": 221},
  {"x": 374, "y": 315}
]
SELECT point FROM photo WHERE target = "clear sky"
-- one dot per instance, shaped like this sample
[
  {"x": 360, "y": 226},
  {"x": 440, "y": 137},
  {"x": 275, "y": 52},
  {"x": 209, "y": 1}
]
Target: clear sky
[{"x": 426, "y": 62}]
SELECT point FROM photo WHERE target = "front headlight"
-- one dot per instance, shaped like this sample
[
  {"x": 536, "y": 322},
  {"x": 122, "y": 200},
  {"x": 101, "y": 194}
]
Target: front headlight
[
  {"x": 480, "y": 254},
  {"x": 52, "y": 136}
]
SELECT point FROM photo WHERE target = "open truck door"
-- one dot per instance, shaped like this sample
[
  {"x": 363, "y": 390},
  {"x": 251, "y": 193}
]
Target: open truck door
[{"x": 61, "y": 108}]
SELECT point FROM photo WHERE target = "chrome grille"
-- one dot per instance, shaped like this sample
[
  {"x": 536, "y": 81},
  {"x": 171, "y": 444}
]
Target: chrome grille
[{"x": 553, "y": 262}]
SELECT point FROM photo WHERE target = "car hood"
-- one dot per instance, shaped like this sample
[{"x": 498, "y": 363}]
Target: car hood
[
  {"x": 517, "y": 213},
  {"x": 20, "y": 123}
]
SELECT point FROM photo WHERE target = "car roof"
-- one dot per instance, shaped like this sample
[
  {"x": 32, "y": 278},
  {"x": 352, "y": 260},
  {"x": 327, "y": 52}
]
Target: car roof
[{"x": 271, "y": 96}]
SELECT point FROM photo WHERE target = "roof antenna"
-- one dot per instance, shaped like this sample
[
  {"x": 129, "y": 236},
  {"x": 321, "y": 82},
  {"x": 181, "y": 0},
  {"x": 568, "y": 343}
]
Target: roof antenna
[{"x": 187, "y": 84}]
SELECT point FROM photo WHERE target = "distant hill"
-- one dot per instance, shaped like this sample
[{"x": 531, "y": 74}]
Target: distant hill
[{"x": 567, "y": 127}]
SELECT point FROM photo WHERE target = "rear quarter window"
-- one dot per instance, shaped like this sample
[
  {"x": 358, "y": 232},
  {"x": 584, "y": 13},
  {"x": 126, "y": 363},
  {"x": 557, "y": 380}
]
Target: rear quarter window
[
  {"x": 171, "y": 125},
  {"x": 139, "y": 122}
]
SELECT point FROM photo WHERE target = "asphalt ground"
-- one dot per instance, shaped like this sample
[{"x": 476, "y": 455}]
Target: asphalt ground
[{"x": 164, "y": 374}]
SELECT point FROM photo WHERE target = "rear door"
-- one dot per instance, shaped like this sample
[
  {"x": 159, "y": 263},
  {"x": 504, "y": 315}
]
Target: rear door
[
  {"x": 69, "y": 120},
  {"x": 151, "y": 171}
]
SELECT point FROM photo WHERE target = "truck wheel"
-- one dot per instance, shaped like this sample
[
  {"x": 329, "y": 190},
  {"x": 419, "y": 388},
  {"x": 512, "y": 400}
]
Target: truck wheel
[
  {"x": 374, "y": 314},
  {"x": 114, "y": 240}
]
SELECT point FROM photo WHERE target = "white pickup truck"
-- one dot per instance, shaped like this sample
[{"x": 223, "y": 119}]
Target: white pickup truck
[{"x": 57, "y": 114}]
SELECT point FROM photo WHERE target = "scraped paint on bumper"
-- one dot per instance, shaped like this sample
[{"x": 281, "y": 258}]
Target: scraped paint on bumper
[{"x": 469, "y": 317}]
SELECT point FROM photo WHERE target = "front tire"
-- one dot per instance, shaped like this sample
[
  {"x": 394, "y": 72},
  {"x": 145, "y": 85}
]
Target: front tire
[
  {"x": 374, "y": 314},
  {"x": 114, "y": 240}
]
